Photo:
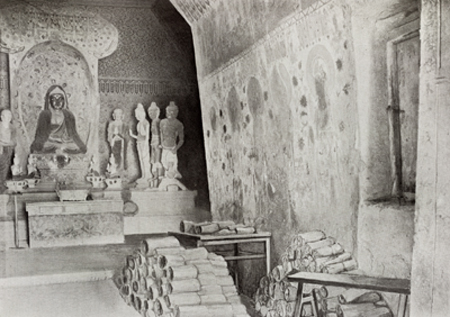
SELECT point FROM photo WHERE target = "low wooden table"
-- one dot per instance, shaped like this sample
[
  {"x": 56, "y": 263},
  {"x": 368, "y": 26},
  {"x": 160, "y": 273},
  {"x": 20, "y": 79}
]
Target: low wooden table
[
  {"x": 392, "y": 285},
  {"x": 198, "y": 240}
]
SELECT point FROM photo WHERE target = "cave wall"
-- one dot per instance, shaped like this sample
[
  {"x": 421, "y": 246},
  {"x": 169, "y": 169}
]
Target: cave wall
[
  {"x": 295, "y": 121},
  {"x": 281, "y": 125},
  {"x": 430, "y": 279}
]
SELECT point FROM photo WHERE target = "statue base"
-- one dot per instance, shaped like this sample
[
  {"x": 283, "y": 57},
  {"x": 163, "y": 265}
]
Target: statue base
[{"x": 62, "y": 168}]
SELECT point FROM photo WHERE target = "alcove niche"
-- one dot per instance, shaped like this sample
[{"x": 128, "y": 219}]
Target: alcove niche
[
  {"x": 56, "y": 46},
  {"x": 389, "y": 89}
]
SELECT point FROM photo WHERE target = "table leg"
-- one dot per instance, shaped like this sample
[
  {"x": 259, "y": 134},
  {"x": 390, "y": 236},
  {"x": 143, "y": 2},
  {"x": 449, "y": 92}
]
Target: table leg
[
  {"x": 268, "y": 257},
  {"x": 236, "y": 267},
  {"x": 299, "y": 302},
  {"x": 402, "y": 303},
  {"x": 314, "y": 303}
]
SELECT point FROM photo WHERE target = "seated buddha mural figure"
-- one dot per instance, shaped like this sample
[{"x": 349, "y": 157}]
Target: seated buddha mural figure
[{"x": 56, "y": 127}]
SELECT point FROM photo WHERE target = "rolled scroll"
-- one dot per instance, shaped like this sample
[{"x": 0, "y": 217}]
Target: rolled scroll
[
  {"x": 185, "y": 272},
  {"x": 149, "y": 245},
  {"x": 195, "y": 254},
  {"x": 207, "y": 228},
  {"x": 184, "y": 299},
  {"x": 182, "y": 286}
]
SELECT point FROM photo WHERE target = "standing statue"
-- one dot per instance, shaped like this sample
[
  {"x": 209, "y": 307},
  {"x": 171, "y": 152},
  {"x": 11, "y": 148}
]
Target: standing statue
[
  {"x": 16, "y": 168},
  {"x": 172, "y": 138},
  {"x": 117, "y": 137},
  {"x": 32, "y": 171},
  {"x": 93, "y": 167},
  {"x": 155, "y": 144},
  {"x": 111, "y": 168},
  {"x": 142, "y": 143},
  {"x": 56, "y": 129},
  {"x": 7, "y": 145}
]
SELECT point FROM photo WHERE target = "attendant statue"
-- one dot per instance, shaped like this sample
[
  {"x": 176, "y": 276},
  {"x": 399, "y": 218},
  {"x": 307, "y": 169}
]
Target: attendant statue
[
  {"x": 32, "y": 171},
  {"x": 155, "y": 144},
  {"x": 7, "y": 145},
  {"x": 142, "y": 143},
  {"x": 16, "y": 168},
  {"x": 56, "y": 129},
  {"x": 172, "y": 138},
  {"x": 111, "y": 168},
  {"x": 117, "y": 137},
  {"x": 93, "y": 167}
]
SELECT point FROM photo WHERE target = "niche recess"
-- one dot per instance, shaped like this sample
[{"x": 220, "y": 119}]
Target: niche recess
[{"x": 56, "y": 46}]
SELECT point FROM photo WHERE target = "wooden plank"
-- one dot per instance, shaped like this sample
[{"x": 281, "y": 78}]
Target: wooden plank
[{"x": 394, "y": 285}]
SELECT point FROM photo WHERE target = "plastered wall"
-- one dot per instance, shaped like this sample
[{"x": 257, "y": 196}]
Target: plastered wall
[
  {"x": 281, "y": 127},
  {"x": 430, "y": 278},
  {"x": 295, "y": 121}
]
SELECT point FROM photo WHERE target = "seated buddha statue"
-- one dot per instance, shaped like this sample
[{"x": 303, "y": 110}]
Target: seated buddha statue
[{"x": 56, "y": 129}]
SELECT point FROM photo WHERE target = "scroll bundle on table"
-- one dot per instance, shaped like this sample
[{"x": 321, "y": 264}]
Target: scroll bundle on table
[
  {"x": 162, "y": 278},
  {"x": 216, "y": 227},
  {"x": 315, "y": 252}
]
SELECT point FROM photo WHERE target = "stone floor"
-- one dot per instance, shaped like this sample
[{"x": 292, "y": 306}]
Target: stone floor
[
  {"x": 76, "y": 299},
  {"x": 66, "y": 281},
  {"x": 37, "y": 266}
]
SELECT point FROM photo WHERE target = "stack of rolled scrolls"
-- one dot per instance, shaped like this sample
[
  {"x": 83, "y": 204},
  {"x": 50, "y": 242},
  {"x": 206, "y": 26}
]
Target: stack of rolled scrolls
[
  {"x": 162, "y": 278},
  {"x": 311, "y": 251}
]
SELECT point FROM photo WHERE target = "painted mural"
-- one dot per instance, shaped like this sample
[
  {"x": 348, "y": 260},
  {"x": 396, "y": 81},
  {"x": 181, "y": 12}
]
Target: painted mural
[{"x": 294, "y": 134}]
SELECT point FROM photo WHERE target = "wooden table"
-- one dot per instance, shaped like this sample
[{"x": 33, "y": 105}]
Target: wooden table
[
  {"x": 199, "y": 240},
  {"x": 393, "y": 285}
]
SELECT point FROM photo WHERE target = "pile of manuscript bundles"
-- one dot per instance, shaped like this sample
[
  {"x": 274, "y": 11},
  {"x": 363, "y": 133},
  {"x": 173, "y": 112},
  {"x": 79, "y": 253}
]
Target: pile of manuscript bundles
[
  {"x": 312, "y": 251},
  {"x": 226, "y": 227},
  {"x": 315, "y": 252},
  {"x": 162, "y": 278}
]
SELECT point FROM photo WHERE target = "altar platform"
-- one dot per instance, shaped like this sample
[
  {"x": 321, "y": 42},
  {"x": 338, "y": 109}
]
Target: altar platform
[{"x": 44, "y": 221}]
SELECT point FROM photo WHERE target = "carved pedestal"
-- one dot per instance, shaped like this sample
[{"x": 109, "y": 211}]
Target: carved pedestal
[{"x": 64, "y": 223}]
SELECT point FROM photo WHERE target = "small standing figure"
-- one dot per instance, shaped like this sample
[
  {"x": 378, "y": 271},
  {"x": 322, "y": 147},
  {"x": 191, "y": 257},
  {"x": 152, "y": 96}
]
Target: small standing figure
[
  {"x": 172, "y": 138},
  {"x": 32, "y": 171},
  {"x": 117, "y": 137},
  {"x": 7, "y": 145},
  {"x": 16, "y": 168},
  {"x": 93, "y": 167},
  {"x": 142, "y": 143},
  {"x": 111, "y": 168},
  {"x": 155, "y": 143}
]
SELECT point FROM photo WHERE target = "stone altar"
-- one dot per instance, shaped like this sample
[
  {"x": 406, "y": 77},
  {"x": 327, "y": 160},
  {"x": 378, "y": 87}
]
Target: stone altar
[{"x": 65, "y": 223}]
